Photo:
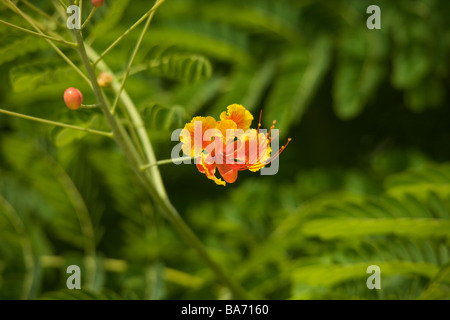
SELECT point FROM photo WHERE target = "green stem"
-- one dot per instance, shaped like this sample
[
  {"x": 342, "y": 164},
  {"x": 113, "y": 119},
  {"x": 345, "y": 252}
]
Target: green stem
[
  {"x": 58, "y": 124},
  {"x": 130, "y": 63},
  {"x": 42, "y": 35},
  {"x": 135, "y": 161},
  {"x": 157, "y": 163},
  {"x": 89, "y": 106},
  {"x": 63, "y": 4},
  {"x": 88, "y": 18},
  {"x": 138, "y": 124},
  {"x": 134, "y": 136},
  {"x": 134, "y": 70}
]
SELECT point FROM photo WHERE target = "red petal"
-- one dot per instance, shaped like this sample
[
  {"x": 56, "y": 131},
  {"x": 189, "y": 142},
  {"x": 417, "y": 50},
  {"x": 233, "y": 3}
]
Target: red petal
[
  {"x": 201, "y": 167},
  {"x": 228, "y": 173}
]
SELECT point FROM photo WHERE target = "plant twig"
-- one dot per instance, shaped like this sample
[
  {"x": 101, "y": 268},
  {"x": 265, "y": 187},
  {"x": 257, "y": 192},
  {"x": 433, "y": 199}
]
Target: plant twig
[
  {"x": 57, "y": 124},
  {"x": 42, "y": 35},
  {"x": 158, "y": 163},
  {"x": 63, "y": 4},
  {"x": 130, "y": 63},
  {"x": 137, "y": 122},
  {"x": 89, "y": 17}
]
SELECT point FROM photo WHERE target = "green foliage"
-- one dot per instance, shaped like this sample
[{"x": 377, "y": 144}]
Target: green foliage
[
  {"x": 20, "y": 47},
  {"x": 164, "y": 118},
  {"x": 178, "y": 66},
  {"x": 80, "y": 295},
  {"x": 26, "y": 78},
  {"x": 365, "y": 180}
]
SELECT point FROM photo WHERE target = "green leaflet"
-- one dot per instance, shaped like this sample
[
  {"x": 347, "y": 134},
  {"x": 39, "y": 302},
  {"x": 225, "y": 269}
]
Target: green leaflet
[
  {"x": 439, "y": 288},
  {"x": 179, "y": 66},
  {"x": 30, "y": 77},
  {"x": 329, "y": 275},
  {"x": 348, "y": 228},
  {"x": 159, "y": 117}
]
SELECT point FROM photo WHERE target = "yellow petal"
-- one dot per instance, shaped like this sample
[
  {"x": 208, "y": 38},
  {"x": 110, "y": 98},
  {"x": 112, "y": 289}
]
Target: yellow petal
[
  {"x": 241, "y": 116},
  {"x": 225, "y": 125},
  {"x": 189, "y": 144}
]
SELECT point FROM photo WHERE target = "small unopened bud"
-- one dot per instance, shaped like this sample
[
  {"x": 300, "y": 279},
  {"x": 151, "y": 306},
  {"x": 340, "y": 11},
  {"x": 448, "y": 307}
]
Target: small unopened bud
[{"x": 104, "y": 79}]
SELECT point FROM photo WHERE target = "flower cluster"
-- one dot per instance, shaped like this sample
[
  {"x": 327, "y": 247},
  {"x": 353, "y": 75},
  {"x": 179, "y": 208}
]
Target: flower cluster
[{"x": 228, "y": 145}]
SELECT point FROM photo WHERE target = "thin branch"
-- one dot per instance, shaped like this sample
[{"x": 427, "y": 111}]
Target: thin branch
[
  {"x": 138, "y": 124},
  {"x": 130, "y": 63},
  {"x": 133, "y": 133},
  {"x": 157, "y": 4},
  {"x": 63, "y": 4},
  {"x": 89, "y": 106},
  {"x": 89, "y": 17},
  {"x": 134, "y": 70},
  {"x": 57, "y": 124},
  {"x": 42, "y": 35},
  {"x": 158, "y": 163}
]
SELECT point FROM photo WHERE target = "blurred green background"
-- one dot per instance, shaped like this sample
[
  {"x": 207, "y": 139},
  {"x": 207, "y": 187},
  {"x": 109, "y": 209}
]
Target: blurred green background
[{"x": 365, "y": 180}]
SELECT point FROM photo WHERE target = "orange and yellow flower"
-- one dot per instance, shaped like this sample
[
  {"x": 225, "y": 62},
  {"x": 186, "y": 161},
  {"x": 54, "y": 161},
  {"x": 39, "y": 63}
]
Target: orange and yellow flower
[{"x": 228, "y": 145}]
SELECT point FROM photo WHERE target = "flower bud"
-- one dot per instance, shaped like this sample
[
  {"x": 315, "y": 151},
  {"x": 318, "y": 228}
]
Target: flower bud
[{"x": 104, "y": 79}]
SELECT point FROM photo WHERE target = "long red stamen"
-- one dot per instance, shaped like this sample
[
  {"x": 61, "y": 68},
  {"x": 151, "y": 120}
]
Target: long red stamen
[
  {"x": 246, "y": 165},
  {"x": 259, "y": 122},
  {"x": 276, "y": 155}
]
